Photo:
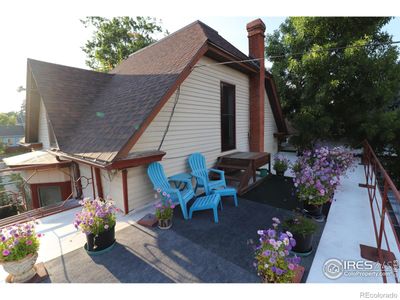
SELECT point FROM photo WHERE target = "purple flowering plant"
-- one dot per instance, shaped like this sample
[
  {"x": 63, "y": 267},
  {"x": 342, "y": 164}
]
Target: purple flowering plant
[
  {"x": 96, "y": 215},
  {"x": 281, "y": 163},
  {"x": 318, "y": 171},
  {"x": 165, "y": 207},
  {"x": 18, "y": 241},
  {"x": 273, "y": 260}
]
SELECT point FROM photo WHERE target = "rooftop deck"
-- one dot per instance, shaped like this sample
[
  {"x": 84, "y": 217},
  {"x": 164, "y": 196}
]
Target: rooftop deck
[{"x": 201, "y": 251}]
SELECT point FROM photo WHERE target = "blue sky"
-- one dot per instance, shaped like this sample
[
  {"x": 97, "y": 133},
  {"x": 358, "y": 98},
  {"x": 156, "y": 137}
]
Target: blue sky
[{"x": 58, "y": 38}]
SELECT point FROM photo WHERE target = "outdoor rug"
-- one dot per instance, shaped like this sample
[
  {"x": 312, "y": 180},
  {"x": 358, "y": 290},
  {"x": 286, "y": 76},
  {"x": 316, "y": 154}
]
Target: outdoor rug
[{"x": 196, "y": 250}]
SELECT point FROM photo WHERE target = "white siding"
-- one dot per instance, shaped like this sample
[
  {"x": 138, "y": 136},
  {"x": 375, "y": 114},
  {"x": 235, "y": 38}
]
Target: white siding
[
  {"x": 110, "y": 181},
  {"x": 195, "y": 126},
  {"x": 112, "y": 186},
  {"x": 47, "y": 176},
  {"x": 270, "y": 142},
  {"x": 87, "y": 189},
  {"x": 43, "y": 127}
]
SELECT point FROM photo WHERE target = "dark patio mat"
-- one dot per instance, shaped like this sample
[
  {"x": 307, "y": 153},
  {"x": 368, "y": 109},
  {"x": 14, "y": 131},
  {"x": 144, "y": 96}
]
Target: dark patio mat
[
  {"x": 276, "y": 191},
  {"x": 196, "y": 250}
]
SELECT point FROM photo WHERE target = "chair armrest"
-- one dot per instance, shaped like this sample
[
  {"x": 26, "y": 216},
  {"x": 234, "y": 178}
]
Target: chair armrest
[
  {"x": 170, "y": 191},
  {"x": 220, "y": 172}
]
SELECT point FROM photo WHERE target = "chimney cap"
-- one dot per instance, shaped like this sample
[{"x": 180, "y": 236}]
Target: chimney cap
[{"x": 256, "y": 24}]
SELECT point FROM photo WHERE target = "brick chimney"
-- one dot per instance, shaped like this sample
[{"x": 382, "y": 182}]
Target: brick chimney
[{"x": 256, "y": 37}]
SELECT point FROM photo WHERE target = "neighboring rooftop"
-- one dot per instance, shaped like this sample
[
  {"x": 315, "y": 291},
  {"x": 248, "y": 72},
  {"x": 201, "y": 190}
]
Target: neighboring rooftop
[{"x": 12, "y": 130}]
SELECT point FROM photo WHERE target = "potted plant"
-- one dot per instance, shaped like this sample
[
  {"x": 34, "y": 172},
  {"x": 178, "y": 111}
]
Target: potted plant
[
  {"x": 303, "y": 230},
  {"x": 19, "y": 246},
  {"x": 317, "y": 176},
  {"x": 281, "y": 164},
  {"x": 273, "y": 261},
  {"x": 164, "y": 210},
  {"x": 97, "y": 220}
]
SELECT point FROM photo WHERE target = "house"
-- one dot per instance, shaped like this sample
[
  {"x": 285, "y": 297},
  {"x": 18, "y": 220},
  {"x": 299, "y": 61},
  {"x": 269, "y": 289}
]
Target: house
[
  {"x": 191, "y": 91},
  {"x": 11, "y": 135}
]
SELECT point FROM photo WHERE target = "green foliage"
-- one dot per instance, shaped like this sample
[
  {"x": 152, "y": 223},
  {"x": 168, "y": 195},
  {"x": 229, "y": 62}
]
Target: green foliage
[
  {"x": 337, "y": 79},
  {"x": 115, "y": 39},
  {"x": 299, "y": 225},
  {"x": 18, "y": 241},
  {"x": 9, "y": 118}
]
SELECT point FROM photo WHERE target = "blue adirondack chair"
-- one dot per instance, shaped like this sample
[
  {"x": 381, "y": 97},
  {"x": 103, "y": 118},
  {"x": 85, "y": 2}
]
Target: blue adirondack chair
[
  {"x": 198, "y": 165},
  {"x": 155, "y": 171}
]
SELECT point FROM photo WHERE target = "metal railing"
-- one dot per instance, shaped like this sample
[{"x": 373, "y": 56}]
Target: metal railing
[
  {"x": 377, "y": 179},
  {"x": 68, "y": 203}
]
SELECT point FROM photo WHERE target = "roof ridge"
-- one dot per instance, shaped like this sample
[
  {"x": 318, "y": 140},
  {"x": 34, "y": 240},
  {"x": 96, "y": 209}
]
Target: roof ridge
[
  {"x": 205, "y": 25},
  {"x": 65, "y": 66},
  {"x": 159, "y": 41}
]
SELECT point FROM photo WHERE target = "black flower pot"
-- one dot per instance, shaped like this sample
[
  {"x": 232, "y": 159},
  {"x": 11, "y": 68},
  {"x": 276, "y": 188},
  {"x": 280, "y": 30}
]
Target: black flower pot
[
  {"x": 280, "y": 173},
  {"x": 101, "y": 241},
  {"x": 314, "y": 211},
  {"x": 326, "y": 207},
  {"x": 303, "y": 243}
]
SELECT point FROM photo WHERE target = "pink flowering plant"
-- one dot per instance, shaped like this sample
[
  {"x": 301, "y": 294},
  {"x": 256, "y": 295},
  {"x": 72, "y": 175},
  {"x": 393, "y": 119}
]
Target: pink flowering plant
[
  {"x": 273, "y": 260},
  {"x": 18, "y": 241},
  {"x": 96, "y": 216},
  {"x": 165, "y": 207},
  {"x": 317, "y": 173}
]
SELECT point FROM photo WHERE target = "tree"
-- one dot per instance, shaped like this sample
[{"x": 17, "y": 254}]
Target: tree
[
  {"x": 8, "y": 119},
  {"x": 336, "y": 78},
  {"x": 115, "y": 39}
]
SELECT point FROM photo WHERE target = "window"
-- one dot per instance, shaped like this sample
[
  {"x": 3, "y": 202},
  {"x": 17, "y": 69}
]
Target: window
[
  {"x": 228, "y": 112},
  {"x": 10, "y": 142},
  {"x": 50, "y": 194}
]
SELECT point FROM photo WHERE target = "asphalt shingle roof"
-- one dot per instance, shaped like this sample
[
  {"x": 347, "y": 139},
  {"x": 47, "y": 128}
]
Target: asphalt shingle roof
[
  {"x": 94, "y": 114},
  {"x": 12, "y": 130}
]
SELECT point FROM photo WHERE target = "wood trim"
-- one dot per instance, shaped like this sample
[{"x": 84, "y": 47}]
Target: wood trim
[
  {"x": 223, "y": 55},
  {"x": 65, "y": 187},
  {"x": 99, "y": 185},
  {"x": 93, "y": 188},
  {"x": 118, "y": 164},
  {"x": 125, "y": 190},
  {"x": 38, "y": 167},
  {"x": 35, "y": 146},
  {"x": 77, "y": 178},
  {"x": 184, "y": 74},
  {"x": 275, "y": 104},
  {"x": 79, "y": 160},
  {"x": 134, "y": 162}
]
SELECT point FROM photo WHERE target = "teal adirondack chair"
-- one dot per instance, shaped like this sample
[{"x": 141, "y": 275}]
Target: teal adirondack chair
[
  {"x": 155, "y": 171},
  {"x": 198, "y": 165}
]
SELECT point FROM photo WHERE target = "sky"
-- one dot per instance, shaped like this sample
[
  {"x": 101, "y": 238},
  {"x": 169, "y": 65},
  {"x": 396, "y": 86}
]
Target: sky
[{"x": 58, "y": 39}]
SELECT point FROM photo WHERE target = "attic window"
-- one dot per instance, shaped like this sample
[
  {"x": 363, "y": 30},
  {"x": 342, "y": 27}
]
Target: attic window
[{"x": 228, "y": 117}]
